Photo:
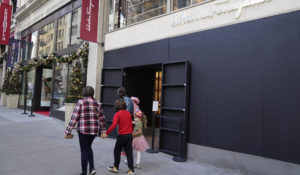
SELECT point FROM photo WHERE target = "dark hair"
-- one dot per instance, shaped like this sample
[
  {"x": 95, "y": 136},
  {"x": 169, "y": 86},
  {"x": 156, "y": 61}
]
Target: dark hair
[
  {"x": 120, "y": 105},
  {"x": 121, "y": 92},
  {"x": 88, "y": 91}
]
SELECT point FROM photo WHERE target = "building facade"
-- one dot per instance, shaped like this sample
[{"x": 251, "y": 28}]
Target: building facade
[
  {"x": 39, "y": 29},
  {"x": 217, "y": 79},
  {"x": 228, "y": 75}
]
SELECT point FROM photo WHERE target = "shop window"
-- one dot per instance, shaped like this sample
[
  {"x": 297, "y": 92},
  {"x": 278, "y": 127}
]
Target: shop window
[
  {"x": 61, "y": 84},
  {"x": 76, "y": 20},
  {"x": 46, "y": 87},
  {"x": 33, "y": 45},
  {"x": 63, "y": 32},
  {"x": 46, "y": 39},
  {"x": 177, "y": 4},
  {"x": 30, "y": 86}
]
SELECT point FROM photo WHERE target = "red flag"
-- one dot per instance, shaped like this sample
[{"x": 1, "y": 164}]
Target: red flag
[
  {"x": 5, "y": 20},
  {"x": 89, "y": 20},
  {"x": 5, "y": 1}
]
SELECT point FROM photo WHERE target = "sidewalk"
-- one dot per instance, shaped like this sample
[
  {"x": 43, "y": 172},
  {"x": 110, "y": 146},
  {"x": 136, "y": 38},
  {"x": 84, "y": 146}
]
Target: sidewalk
[{"x": 35, "y": 145}]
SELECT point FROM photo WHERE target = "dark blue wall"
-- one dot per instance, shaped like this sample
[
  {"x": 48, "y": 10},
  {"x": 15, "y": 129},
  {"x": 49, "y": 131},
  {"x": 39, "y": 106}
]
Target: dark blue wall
[{"x": 245, "y": 84}]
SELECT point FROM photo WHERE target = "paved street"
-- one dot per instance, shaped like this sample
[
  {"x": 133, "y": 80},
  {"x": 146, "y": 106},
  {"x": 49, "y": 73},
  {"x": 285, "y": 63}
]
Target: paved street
[{"x": 35, "y": 145}]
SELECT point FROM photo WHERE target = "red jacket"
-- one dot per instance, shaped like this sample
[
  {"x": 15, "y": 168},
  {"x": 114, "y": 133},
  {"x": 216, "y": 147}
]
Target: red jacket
[{"x": 123, "y": 119}]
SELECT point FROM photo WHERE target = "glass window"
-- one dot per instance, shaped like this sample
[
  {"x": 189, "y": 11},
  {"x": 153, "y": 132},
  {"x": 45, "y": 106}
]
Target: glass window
[
  {"x": 46, "y": 39},
  {"x": 75, "y": 28},
  {"x": 33, "y": 45},
  {"x": 61, "y": 84},
  {"x": 113, "y": 15},
  {"x": 24, "y": 47},
  {"x": 46, "y": 87},
  {"x": 177, "y": 4},
  {"x": 63, "y": 32},
  {"x": 122, "y": 13},
  {"x": 30, "y": 86}
]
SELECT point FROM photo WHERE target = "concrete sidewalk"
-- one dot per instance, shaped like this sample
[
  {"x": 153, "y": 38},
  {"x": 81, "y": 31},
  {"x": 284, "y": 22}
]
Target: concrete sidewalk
[{"x": 35, "y": 145}]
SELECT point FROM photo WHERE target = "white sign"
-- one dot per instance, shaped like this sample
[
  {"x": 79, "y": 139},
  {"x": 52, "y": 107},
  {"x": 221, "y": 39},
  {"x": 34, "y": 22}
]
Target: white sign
[
  {"x": 219, "y": 7},
  {"x": 155, "y": 106}
]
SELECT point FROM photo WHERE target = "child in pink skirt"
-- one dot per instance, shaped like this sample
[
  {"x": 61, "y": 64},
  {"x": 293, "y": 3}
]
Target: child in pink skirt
[{"x": 139, "y": 142}]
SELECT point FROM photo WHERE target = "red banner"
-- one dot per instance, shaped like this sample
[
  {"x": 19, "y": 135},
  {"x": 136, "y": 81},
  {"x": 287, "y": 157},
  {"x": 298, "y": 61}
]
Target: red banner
[
  {"x": 89, "y": 20},
  {"x": 5, "y": 20},
  {"x": 5, "y": 1}
]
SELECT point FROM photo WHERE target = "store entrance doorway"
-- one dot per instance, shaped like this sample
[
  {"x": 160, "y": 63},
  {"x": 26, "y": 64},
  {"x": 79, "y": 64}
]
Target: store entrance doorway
[
  {"x": 42, "y": 90},
  {"x": 145, "y": 83}
]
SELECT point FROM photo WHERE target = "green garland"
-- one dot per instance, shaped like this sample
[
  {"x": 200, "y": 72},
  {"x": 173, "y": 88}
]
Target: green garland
[
  {"x": 14, "y": 84},
  {"x": 75, "y": 92},
  {"x": 5, "y": 86},
  {"x": 81, "y": 52}
]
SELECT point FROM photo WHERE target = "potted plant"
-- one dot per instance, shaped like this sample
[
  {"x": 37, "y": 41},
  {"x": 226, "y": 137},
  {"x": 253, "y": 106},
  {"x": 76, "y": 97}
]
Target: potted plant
[
  {"x": 75, "y": 92},
  {"x": 5, "y": 87},
  {"x": 13, "y": 89}
]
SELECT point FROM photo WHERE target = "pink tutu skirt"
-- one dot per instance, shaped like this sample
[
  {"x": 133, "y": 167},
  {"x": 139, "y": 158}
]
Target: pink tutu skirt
[{"x": 139, "y": 143}]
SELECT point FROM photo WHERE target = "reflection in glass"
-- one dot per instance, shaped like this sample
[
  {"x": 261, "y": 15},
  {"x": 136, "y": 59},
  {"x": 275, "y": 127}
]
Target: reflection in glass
[
  {"x": 138, "y": 10},
  {"x": 61, "y": 82},
  {"x": 21, "y": 100},
  {"x": 24, "y": 48},
  {"x": 177, "y": 4},
  {"x": 33, "y": 45},
  {"x": 197, "y": 1},
  {"x": 46, "y": 39},
  {"x": 30, "y": 86},
  {"x": 46, "y": 87},
  {"x": 75, "y": 30},
  {"x": 113, "y": 14},
  {"x": 132, "y": 11},
  {"x": 63, "y": 32}
]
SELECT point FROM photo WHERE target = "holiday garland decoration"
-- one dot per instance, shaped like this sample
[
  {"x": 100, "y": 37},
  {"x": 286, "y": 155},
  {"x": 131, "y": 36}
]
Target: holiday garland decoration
[
  {"x": 14, "y": 84},
  {"x": 81, "y": 53},
  {"x": 11, "y": 84},
  {"x": 75, "y": 92},
  {"x": 5, "y": 85}
]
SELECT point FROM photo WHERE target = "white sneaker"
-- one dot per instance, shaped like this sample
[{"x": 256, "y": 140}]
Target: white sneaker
[{"x": 137, "y": 166}]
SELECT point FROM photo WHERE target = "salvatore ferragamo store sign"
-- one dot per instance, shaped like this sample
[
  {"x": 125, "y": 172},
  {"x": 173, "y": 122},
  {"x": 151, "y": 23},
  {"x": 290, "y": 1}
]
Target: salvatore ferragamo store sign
[{"x": 217, "y": 8}]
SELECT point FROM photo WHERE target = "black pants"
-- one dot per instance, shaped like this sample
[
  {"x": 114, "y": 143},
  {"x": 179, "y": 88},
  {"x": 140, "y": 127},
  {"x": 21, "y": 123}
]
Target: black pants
[
  {"x": 87, "y": 155},
  {"x": 124, "y": 141}
]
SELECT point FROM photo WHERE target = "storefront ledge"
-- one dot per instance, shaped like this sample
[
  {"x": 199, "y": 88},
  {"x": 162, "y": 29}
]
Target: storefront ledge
[
  {"x": 58, "y": 115},
  {"x": 244, "y": 163}
]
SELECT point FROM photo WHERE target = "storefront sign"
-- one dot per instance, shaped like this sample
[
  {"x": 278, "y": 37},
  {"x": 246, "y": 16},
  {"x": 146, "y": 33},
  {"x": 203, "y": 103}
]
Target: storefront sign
[
  {"x": 12, "y": 52},
  {"x": 89, "y": 20},
  {"x": 218, "y": 8},
  {"x": 5, "y": 20}
]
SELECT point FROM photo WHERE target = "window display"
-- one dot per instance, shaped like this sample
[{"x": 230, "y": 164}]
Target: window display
[
  {"x": 61, "y": 83},
  {"x": 46, "y": 87}
]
